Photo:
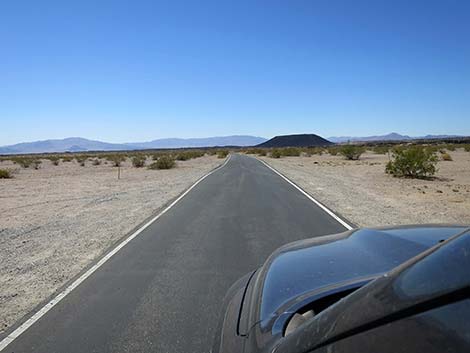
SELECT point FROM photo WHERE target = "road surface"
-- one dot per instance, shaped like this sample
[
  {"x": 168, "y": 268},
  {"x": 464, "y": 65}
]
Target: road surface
[{"x": 162, "y": 292}]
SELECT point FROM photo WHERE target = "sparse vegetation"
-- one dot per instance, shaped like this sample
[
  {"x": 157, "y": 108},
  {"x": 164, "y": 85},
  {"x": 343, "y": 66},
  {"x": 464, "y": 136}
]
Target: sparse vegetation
[
  {"x": 36, "y": 163},
  {"x": 466, "y": 148},
  {"x": 67, "y": 159},
  {"x": 96, "y": 161},
  {"x": 450, "y": 147},
  {"x": 5, "y": 174},
  {"x": 446, "y": 156},
  {"x": 138, "y": 161},
  {"x": 186, "y": 155},
  {"x": 116, "y": 159},
  {"x": 222, "y": 153},
  {"x": 412, "y": 162},
  {"x": 351, "y": 152},
  {"x": 381, "y": 149},
  {"x": 164, "y": 162},
  {"x": 275, "y": 153},
  {"x": 290, "y": 152},
  {"x": 333, "y": 151},
  {"x": 55, "y": 160},
  {"x": 24, "y": 162}
]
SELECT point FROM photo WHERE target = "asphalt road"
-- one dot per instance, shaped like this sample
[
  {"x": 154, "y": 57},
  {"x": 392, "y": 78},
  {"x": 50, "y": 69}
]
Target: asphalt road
[{"x": 162, "y": 292}]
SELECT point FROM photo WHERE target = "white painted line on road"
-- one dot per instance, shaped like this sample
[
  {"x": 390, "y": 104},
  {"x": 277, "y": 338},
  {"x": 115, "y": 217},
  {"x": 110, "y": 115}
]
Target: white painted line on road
[
  {"x": 319, "y": 204},
  {"x": 28, "y": 323}
]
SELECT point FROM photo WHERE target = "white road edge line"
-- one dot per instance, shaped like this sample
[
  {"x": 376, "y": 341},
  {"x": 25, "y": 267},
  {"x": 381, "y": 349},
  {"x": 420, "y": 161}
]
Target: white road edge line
[
  {"x": 28, "y": 323},
  {"x": 319, "y": 204}
]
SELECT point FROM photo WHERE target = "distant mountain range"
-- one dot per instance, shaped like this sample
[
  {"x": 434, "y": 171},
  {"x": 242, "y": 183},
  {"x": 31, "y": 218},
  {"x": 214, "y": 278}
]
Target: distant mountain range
[
  {"x": 303, "y": 140},
  {"x": 78, "y": 144},
  {"x": 389, "y": 137}
]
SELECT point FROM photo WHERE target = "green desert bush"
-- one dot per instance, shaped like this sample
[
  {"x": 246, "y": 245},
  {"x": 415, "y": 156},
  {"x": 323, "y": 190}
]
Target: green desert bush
[
  {"x": 466, "y": 148},
  {"x": 67, "y": 159},
  {"x": 138, "y": 161},
  {"x": 446, "y": 157},
  {"x": 24, "y": 162},
  {"x": 262, "y": 153},
  {"x": 222, "y": 153},
  {"x": 381, "y": 149},
  {"x": 5, "y": 174},
  {"x": 36, "y": 163},
  {"x": 290, "y": 152},
  {"x": 54, "y": 160},
  {"x": 186, "y": 155},
  {"x": 314, "y": 150},
  {"x": 183, "y": 156},
  {"x": 333, "y": 150},
  {"x": 351, "y": 152},
  {"x": 116, "y": 159},
  {"x": 412, "y": 162},
  {"x": 253, "y": 151},
  {"x": 275, "y": 153},
  {"x": 450, "y": 147},
  {"x": 81, "y": 160},
  {"x": 164, "y": 162}
]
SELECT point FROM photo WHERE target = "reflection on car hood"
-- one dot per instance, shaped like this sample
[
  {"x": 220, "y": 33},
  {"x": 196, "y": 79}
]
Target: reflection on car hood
[{"x": 309, "y": 265}]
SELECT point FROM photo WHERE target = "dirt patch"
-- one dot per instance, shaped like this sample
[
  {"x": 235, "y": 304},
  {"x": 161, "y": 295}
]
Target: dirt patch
[
  {"x": 56, "y": 220},
  {"x": 363, "y": 193}
]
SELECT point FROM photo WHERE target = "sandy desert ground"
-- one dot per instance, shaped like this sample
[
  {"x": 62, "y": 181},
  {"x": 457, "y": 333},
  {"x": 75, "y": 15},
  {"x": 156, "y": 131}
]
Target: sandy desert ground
[
  {"x": 362, "y": 192},
  {"x": 56, "y": 220}
]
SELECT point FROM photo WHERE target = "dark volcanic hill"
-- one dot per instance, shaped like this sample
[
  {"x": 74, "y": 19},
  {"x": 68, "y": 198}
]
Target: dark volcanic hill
[{"x": 303, "y": 140}]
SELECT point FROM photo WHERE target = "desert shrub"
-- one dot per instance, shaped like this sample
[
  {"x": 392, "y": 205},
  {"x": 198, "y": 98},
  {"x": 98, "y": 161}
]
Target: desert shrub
[
  {"x": 333, "y": 151},
  {"x": 138, "y": 161},
  {"x": 222, "y": 153},
  {"x": 183, "y": 156},
  {"x": 412, "y": 162},
  {"x": 253, "y": 151},
  {"x": 450, "y": 147},
  {"x": 381, "y": 149},
  {"x": 290, "y": 152},
  {"x": 36, "y": 163},
  {"x": 211, "y": 152},
  {"x": 24, "y": 162},
  {"x": 446, "y": 157},
  {"x": 67, "y": 159},
  {"x": 81, "y": 160},
  {"x": 262, "y": 152},
  {"x": 116, "y": 159},
  {"x": 351, "y": 152},
  {"x": 157, "y": 155},
  {"x": 54, "y": 160},
  {"x": 314, "y": 150},
  {"x": 466, "y": 148},
  {"x": 186, "y": 155},
  {"x": 275, "y": 153},
  {"x": 5, "y": 174},
  {"x": 164, "y": 162},
  {"x": 96, "y": 161}
]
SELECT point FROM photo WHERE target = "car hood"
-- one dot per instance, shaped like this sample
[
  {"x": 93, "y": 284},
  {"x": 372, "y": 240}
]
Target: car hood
[{"x": 299, "y": 271}]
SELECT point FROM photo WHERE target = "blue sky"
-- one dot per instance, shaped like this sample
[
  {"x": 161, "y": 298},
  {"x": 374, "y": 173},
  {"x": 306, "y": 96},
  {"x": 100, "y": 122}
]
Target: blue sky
[{"x": 138, "y": 70}]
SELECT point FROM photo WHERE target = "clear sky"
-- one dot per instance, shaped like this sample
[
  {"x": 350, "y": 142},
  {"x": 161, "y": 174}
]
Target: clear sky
[{"x": 138, "y": 70}]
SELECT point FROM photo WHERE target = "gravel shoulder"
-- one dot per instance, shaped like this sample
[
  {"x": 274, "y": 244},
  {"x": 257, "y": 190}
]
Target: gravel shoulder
[
  {"x": 364, "y": 194},
  {"x": 57, "y": 220}
]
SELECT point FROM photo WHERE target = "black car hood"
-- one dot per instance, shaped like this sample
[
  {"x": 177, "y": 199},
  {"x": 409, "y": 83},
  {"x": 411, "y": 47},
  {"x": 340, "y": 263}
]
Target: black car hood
[
  {"x": 436, "y": 277},
  {"x": 295, "y": 273}
]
